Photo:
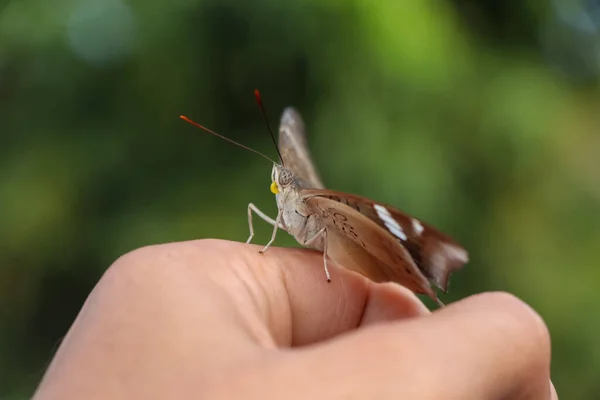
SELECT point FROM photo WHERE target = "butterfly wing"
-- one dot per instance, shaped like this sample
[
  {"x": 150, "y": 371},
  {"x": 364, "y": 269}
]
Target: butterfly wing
[
  {"x": 294, "y": 149},
  {"x": 359, "y": 243},
  {"x": 434, "y": 253}
]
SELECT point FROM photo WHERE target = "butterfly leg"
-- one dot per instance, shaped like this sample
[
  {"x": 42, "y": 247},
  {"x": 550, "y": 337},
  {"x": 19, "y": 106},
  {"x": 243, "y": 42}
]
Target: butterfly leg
[
  {"x": 276, "y": 225},
  {"x": 321, "y": 234},
  {"x": 265, "y": 217}
]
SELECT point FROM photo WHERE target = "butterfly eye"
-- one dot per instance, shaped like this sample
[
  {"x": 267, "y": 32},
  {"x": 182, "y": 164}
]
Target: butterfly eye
[
  {"x": 285, "y": 178},
  {"x": 274, "y": 188}
]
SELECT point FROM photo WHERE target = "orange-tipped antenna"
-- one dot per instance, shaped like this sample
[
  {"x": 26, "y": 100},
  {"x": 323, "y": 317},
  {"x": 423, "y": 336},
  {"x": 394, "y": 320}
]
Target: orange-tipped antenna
[
  {"x": 186, "y": 119},
  {"x": 264, "y": 114}
]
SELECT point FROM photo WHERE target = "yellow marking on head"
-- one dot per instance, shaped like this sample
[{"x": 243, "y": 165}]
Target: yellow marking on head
[{"x": 274, "y": 188}]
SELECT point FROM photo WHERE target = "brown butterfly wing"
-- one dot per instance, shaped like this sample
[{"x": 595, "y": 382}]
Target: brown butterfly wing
[
  {"x": 435, "y": 253},
  {"x": 294, "y": 150},
  {"x": 358, "y": 243}
]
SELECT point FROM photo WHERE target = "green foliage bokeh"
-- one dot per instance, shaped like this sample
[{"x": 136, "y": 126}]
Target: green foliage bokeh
[{"x": 439, "y": 109}]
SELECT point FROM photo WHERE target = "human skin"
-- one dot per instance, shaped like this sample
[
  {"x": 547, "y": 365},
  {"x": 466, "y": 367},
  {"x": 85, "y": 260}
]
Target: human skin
[{"x": 214, "y": 319}]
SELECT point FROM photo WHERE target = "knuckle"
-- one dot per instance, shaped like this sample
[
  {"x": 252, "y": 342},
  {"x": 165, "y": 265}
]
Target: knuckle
[
  {"x": 162, "y": 260},
  {"x": 131, "y": 267},
  {"x": 135, "y": 260},
  {"x": 523, "y": 324}
]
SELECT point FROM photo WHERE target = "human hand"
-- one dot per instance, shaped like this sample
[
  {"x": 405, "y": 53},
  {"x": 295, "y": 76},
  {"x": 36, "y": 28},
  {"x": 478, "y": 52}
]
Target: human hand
[{"x": 215, "y": 319}]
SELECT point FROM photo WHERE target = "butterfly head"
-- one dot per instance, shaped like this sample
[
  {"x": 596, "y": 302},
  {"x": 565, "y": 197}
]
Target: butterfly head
[{"x": 281, "y": 179}]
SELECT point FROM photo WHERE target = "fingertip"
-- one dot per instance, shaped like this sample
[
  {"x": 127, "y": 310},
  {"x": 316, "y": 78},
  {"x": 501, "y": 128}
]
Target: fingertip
[{"x": 391, "y": 302}]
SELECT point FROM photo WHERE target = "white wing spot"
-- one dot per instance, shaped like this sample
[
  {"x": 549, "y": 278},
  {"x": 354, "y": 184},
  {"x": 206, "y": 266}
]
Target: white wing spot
[
  {"x": 389, "y": 221},
  {"x": 454, "y": 252},
  {"x": 417, "y": 226}
]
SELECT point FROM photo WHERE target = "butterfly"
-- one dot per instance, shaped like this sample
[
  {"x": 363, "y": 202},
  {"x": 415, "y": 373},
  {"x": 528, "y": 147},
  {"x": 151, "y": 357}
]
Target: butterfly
[{"x": 374, "y": 239}]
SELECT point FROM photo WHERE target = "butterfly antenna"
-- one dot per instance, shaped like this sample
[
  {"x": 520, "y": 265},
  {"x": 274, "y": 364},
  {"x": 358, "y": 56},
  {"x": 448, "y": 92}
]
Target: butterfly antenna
[
  {"x": 186, "y": 119},
  {"x": 264, "y": 114}
]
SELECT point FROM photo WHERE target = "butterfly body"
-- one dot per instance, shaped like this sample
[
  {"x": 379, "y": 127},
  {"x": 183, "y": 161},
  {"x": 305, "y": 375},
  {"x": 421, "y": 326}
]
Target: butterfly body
[
  {"x": 371, "y": 238},
  {"x": 296, "y": 216}
]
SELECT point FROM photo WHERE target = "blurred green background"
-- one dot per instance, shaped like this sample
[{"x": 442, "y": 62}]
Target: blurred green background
[{"x": 482, "y": 118}]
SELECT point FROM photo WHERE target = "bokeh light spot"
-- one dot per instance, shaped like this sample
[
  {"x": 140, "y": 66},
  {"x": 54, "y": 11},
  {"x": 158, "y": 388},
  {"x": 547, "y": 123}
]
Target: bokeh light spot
[{"x": 101, "y": 32}]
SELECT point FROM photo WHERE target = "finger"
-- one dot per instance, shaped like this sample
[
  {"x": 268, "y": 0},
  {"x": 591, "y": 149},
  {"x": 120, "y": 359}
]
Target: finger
[
  {"x": 490, "y": 346},
  {"x": 299, "y": 305}
]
